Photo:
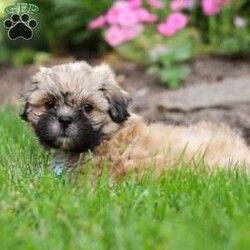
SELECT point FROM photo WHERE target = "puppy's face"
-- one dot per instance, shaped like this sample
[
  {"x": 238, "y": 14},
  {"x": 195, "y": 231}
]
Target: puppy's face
[{"x": 74, "y": 106}]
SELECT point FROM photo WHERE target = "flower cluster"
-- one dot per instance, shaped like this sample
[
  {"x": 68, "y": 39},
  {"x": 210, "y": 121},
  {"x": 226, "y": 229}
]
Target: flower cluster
[
  {"x": 177, "y": 5},
  {"x": 174, "y": 23},
  {"x": 126, "y": 19},
  {"x": 212, "y": 7}
]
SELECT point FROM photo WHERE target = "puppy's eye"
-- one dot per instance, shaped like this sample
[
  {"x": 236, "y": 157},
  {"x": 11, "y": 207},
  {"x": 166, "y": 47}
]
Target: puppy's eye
[
  {"x": 50, "y": 104},
  {"x": 87, "y": 108}
]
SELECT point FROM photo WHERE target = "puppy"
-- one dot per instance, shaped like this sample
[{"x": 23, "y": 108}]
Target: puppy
[{"x": 77, "y": 111}]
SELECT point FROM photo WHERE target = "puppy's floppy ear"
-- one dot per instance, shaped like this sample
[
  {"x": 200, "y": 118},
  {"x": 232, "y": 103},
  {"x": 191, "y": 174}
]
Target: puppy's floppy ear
[
  {"x": 118, "y": 102},
  {"x": 24, "y": 115},
  {"x": 118, "y": 99},
  {"x": 25, "y": 98}
]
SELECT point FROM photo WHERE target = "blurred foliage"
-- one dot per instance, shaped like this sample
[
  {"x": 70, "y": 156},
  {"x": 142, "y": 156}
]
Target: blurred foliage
[
  {"x": 215, "y": 34},
  {"x": 220, "y": 34},
  {"x": 64, "y": 23},
  {"x": 169, "y": 62},
  {"x": 166, "y": 57},
  {"x": 61, "y": 29},
  {"x": 27, "y": 56},
  {"x": 3, "y": 4}
]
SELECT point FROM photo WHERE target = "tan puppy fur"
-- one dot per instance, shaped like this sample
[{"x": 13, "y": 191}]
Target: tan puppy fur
[{"x": 79, "y": 110}]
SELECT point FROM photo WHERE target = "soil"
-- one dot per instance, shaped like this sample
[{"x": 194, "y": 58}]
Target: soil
[{"x": 147, "y": 91}]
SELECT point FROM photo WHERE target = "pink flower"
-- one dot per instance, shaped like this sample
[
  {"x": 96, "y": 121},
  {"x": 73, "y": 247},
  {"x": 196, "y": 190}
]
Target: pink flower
[
  {"x": 166, "y": 29},
  {"x": 209, "y": 7},
  {"x": 177, "y": 5},
  {"x": 151, "y": 19},
  {"x": 121, "y": 5},
  {"x": 212, "y": 7},
  {"x": 145, "y": 16},
  {"x": 114, "y": 36},
  {"x": 174, "y": 23},
  {"x": 135, "y": 3},
  {"x": 124, "y": 13},
  {"x": 97, "y": 23},
  {"x": 112, "y": 15},
  {"x": 156, "y": 4},
  {"x": 114, "y": 12},
  {"x": 177, "y": 20},
  {"x": 128, "y": 18},
  {"x": 131, "y": 33}
]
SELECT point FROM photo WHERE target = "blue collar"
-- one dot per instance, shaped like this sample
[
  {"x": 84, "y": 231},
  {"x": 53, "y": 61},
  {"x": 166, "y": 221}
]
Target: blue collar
[{"x": 58, "y": 168}]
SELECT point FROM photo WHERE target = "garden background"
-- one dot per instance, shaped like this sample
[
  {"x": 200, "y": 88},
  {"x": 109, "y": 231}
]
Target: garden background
[{"x": 181, "y": 60}]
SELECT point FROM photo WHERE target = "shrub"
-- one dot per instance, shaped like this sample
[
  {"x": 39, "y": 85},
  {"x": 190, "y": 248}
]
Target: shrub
[
  {"x": 65, "y": 23},
  {"x": 164, "y": 34},
  {"x": 62, "y": 27}
]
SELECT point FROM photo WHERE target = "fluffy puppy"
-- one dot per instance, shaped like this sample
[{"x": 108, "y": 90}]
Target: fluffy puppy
[{"x": 79, "y": 110}]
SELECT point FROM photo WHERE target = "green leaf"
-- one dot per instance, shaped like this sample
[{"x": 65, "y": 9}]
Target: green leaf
[
  {"x": 153, "y": 70},
  {"x": 183, "y": 53},
  {"x": 173, "y": 76}
]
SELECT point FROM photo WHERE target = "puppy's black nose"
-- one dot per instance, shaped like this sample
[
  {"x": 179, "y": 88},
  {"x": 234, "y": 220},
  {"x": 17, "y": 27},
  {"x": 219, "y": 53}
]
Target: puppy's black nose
[{"x": 65, "y": 120}]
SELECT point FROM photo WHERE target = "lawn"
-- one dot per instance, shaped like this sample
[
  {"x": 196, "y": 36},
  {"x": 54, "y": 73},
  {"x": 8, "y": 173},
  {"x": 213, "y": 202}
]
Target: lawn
[{"x": 186, "y": 209}]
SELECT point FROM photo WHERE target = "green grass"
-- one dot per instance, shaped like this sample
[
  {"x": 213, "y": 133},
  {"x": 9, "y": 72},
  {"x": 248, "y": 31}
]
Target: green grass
[{"x": 186, "y": 209}]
